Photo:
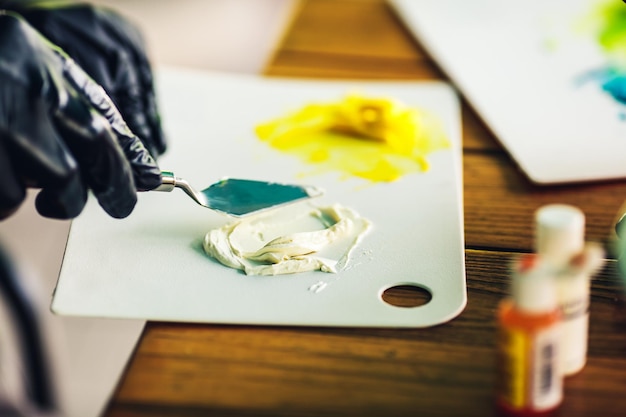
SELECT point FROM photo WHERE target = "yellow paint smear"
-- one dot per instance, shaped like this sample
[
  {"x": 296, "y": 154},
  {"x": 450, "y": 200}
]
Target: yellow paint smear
[{"x": 377, "y": 139}]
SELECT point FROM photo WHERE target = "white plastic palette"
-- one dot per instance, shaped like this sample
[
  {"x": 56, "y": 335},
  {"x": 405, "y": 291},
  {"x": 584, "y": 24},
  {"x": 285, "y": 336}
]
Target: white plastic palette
[
  {"x": 526, "y": 70},
  {"x": 151, "y": 264}
]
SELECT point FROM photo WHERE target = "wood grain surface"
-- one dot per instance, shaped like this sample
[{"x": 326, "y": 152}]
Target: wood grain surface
[{"x": 447, "y": 370}]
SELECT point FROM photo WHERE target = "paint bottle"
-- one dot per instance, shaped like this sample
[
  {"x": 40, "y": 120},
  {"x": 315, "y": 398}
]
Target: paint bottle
[
  {"x": 529, "y": 379},
  {"x": 559, "y": 234}
]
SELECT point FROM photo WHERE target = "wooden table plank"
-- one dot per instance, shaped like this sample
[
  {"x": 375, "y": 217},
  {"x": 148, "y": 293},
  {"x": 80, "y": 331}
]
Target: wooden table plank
[
  {"x": 349, "y": 28},
  {"x": 350, "y": 39},
  {"x": 500, "y": 203}
]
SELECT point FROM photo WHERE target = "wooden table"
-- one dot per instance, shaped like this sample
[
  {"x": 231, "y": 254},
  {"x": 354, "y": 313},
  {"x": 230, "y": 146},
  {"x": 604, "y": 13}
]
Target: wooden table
[{"x": 447, "y": 370}]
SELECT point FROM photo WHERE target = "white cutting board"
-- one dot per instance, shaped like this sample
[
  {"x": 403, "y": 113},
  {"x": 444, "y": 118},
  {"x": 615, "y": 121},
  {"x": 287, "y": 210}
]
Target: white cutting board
[
  {"x": 519, "y": 64},
  {"x": 151, "y": 264}
]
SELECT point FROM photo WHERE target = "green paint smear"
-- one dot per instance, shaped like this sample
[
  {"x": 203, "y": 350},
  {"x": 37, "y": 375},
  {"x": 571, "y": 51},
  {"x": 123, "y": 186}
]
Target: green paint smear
[{"x": 611, "y": 24}]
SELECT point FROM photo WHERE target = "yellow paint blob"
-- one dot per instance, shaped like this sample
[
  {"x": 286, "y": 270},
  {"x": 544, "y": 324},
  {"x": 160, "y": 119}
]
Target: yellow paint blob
[{"x": 377, "y": 139}]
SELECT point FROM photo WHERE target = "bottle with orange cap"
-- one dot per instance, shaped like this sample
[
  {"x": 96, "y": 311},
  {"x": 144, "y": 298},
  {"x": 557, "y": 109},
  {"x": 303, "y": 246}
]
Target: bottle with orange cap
[{"x": 530, "y": 382}]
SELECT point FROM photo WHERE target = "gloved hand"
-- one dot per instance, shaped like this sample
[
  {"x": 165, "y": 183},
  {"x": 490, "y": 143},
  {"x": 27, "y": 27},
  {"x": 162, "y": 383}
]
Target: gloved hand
[
  {"x": 59, "y": 131},
  {"x": 111, "y": 50}
]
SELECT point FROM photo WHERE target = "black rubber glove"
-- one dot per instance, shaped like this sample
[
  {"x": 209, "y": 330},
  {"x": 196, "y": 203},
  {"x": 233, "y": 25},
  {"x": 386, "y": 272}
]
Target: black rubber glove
[
  {"x": 111, "y": 50},
  {"x": 59, "y": 131}
]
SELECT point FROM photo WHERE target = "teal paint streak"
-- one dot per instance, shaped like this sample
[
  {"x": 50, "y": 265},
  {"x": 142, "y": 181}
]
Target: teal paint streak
[{"x": 611, "y": 80}]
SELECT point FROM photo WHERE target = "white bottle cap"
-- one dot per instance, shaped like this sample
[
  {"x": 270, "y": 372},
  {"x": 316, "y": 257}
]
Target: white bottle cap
[
  {"x": 560, "y": 233},
  {"x": 533, "y": 289}
]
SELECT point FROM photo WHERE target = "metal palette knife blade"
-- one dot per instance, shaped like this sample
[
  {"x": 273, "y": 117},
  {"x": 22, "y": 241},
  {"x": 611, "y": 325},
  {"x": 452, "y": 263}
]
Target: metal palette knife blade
[{"x": 240, "y": 197}]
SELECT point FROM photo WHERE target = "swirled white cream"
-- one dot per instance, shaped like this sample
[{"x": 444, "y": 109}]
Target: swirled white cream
[{"x": 287, "y": 240}]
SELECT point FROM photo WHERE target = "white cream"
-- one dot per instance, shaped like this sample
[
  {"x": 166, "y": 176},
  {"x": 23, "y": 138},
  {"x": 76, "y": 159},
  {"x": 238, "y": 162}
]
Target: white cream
[{"x": 287, "y": 240}]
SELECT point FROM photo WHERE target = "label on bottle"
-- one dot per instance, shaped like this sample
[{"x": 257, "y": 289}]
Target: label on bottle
[
  {"x": 512, "y": 367},
  {"x": 529, "y": 374},
  {"x": 546, "y": 385},
  {"x": 574, "y": 305}
]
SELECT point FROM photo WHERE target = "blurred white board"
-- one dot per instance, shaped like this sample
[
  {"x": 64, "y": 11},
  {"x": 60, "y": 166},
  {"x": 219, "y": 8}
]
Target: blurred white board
[{"x": 537, "y": 75}]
